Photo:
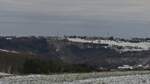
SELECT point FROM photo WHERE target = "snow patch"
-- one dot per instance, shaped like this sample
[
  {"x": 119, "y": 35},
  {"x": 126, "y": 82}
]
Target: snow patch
[{"x": 8, "y": 51}]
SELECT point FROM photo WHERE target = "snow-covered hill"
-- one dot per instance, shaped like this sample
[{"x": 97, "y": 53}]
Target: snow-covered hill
[{"x": 124, "y": 45}]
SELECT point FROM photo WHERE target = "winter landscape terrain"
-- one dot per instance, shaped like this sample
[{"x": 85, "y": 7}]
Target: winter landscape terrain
[
  {"x": 74, "y": 41},
  {"x": 74, "y": 60},
  {"x": 127, "y": 77}
]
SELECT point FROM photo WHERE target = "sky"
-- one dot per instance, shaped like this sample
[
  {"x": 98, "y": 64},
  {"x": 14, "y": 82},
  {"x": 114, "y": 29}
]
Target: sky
[{"x": 119, "y": 18}]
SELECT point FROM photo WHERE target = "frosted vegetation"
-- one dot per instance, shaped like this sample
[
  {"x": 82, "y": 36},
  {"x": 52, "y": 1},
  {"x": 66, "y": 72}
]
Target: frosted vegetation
[{"x": 128, "y": 77}]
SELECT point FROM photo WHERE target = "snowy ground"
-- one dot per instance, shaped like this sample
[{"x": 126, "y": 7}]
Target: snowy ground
[
  {"x": 133, "y": 77},
  {"x": 3, "y": 74}
]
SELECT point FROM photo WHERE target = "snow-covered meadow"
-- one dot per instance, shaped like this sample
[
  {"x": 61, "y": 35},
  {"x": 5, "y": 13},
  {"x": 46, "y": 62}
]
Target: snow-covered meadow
[{"x": 130, "y": 77}]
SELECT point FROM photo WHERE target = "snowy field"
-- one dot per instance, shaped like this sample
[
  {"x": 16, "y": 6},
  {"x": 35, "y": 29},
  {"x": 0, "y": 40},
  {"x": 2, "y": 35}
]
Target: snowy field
[
  {"x": 128, "y": 46},
  {"x": 131, "y": 77}
]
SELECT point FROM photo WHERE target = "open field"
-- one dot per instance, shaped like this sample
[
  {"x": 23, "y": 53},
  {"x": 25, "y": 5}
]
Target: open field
[{"x": 128, "y": 77}]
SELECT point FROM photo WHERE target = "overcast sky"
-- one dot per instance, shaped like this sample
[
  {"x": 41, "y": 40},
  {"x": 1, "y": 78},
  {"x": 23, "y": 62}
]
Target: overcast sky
[{"x": 121, "y": 18}]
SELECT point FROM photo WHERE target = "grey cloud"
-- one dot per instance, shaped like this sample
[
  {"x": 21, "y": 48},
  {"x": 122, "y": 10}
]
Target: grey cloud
[{"x": 125, "y": 18}]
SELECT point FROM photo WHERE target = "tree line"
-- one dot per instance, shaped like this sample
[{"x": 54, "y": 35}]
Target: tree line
[{"x": 29, "y": 64}]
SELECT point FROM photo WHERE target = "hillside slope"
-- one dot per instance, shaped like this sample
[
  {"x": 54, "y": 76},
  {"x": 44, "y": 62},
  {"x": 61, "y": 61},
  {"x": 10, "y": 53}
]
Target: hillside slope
[{"x": 64, "y": 53}]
